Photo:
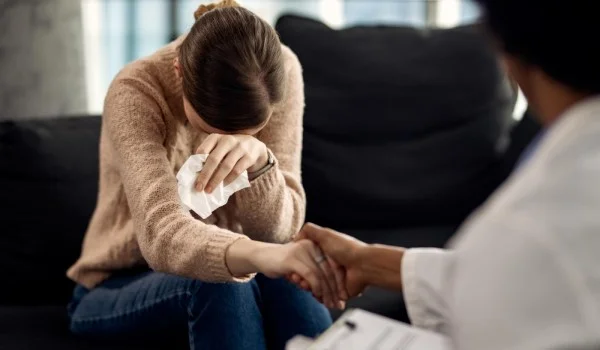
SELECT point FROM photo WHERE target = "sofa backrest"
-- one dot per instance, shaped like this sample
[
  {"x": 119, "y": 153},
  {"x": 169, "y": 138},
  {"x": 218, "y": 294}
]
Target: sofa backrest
[
  {"x": 403, "y": 127},
  {"x": 48, "y": 184}
]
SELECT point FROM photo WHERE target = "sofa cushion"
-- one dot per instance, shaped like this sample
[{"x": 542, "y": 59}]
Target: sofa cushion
[
  {"x": 403, "y": 126},
  {"x": 49, "y": 181}
]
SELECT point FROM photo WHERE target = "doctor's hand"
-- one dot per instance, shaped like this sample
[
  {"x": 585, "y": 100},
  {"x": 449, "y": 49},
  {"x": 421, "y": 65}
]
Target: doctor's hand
[{"x": 228, "y": 157}]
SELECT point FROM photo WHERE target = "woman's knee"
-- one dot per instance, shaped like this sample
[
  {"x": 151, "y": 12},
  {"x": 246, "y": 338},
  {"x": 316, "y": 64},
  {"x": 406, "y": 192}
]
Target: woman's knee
[
  {"x": 288, "y": 307},
  {"x": 277, "y": 286},
  {"x": 222, "y": 295},
  {"x": 163, "y": 294},
  {"x": 284, "y": 293}
]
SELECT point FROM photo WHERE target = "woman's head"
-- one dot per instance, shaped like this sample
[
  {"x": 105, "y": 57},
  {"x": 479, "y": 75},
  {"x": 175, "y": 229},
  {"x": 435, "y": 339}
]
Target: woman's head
[{"x": 232, "y": 70}]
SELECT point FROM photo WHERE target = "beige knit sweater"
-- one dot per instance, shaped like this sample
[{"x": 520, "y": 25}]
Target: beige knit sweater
[{"x": 145, "y": 139}]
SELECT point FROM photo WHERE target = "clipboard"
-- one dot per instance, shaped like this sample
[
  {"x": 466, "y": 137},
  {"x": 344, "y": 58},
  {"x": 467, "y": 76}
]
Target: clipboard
[{"x": 363, "y": 330}]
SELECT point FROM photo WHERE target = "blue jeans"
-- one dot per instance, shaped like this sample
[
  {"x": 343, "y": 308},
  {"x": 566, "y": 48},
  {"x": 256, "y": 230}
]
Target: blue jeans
[{"x": 255, "y": 315}]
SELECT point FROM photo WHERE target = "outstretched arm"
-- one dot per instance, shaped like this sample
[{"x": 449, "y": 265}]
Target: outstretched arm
[{"x": 419, "y": 273}]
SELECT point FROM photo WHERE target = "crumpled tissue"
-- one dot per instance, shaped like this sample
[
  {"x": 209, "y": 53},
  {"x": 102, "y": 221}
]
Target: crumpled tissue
[{"x": 203, "y": 203}]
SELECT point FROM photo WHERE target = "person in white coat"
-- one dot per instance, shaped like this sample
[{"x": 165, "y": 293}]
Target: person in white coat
[{"x": 524, "y": 271}]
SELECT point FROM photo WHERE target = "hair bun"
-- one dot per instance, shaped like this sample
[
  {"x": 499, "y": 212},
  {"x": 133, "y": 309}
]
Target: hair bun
[
  {"x": 202, "y": 10},
  {"x": 206, "y": 8}
]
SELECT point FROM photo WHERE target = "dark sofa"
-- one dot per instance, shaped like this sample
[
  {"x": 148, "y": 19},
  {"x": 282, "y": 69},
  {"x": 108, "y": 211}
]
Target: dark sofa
[{"x": 406, "y": 132}]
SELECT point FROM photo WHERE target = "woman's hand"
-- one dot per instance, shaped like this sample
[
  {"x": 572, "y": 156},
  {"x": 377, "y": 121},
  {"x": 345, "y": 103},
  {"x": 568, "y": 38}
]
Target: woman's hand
[
  {"x": 279, "y": 260},
  {"x": 228, "y": 157}
]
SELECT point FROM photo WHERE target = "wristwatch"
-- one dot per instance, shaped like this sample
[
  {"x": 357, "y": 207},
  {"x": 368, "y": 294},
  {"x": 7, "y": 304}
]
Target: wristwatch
[{"x": 270, "y": 164}]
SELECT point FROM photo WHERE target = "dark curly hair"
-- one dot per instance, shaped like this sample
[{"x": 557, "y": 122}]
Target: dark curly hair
[{"x": 559, "y": 36}]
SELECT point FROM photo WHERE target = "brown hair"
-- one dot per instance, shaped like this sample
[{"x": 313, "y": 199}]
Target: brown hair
[{"x": 232, "y": 67}]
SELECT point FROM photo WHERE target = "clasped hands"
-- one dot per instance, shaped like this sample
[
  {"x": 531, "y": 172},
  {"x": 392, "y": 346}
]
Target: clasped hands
[{"x": 340, "y": 259}]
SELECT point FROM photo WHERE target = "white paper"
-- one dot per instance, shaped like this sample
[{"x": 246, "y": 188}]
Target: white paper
[
  {"x": 374, "y": 332},
  {"x": 203, "y": 203},
  {"x": 299, "y": 342}
]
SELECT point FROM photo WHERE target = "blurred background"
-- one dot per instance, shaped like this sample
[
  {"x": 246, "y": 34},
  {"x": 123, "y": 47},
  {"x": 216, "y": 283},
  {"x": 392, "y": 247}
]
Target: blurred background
[{"x": 57, "y": 57}]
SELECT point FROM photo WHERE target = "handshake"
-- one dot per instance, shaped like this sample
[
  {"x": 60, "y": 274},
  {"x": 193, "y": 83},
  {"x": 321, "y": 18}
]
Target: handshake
[
  {"x": 333, "y": 266},
  {"x": 339, "y": 274}
]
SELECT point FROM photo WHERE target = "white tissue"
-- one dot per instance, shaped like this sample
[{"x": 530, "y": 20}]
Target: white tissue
[{"x": 203, "y": 203}]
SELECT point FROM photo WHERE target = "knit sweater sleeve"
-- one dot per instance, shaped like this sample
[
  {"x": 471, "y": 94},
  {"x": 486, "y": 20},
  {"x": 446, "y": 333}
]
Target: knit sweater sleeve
[
  {"x": 170, "y": 240},
  {"x": 273, "y": 208}
]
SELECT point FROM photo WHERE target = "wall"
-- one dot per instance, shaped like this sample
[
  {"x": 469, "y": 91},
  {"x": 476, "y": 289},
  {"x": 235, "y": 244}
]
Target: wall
[{"x": 41, "y": 59}]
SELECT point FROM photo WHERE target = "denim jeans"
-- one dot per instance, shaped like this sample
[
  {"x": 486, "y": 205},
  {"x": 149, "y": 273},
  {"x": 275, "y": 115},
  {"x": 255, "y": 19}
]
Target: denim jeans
[{"x": 263, "y": 313}]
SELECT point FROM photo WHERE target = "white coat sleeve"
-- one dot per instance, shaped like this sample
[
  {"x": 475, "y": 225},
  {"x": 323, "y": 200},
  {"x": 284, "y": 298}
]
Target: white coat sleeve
[{"x": 425, "y": 273}]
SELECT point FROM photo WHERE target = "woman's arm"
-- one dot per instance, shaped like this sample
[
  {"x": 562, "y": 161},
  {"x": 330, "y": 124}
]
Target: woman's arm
[
  {"x": 273, "y": 208},
  {"x": 170, "y": 240},
  {"x": 278, "y": 260}
]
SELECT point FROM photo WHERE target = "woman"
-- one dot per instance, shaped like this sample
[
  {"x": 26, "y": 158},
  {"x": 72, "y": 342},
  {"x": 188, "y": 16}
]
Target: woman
[{"x": 228, "y": 89}]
